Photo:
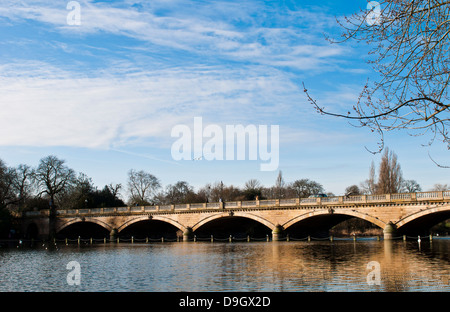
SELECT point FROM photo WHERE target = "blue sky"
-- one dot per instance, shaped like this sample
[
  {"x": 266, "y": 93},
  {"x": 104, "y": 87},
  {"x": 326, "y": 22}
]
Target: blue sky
[{"x": 105, "y": 94}]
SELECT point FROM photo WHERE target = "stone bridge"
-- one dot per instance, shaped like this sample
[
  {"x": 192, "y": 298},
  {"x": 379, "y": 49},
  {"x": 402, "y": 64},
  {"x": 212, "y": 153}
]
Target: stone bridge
[{"x": 406, "y": 213}]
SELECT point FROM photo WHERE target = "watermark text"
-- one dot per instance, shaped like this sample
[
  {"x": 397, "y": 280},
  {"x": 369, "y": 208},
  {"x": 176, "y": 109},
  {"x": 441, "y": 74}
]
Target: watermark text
[
  {"x": 374, "y": 16},
  {"x": 74, "y": 16},
  {"x": 374, "y": 276},
  {"x": 235, "y": 142},
  {"x": 74, "y": 276}
]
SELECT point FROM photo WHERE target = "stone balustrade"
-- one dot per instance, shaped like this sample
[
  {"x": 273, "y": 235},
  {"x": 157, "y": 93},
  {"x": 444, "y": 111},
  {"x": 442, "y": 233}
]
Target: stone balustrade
[{"x": 255, "y": 204}]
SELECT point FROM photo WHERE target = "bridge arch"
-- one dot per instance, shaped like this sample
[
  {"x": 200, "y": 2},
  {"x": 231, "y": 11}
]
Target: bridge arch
[
  {"x": 326, "y": 212},
  {"x": 241, "y": 214},
  {"x": 82, "y": 227},
  {"x": 151, "y": 218},
  {"x": 428, "y": 216},
  {"x": 62, "y": 226}
]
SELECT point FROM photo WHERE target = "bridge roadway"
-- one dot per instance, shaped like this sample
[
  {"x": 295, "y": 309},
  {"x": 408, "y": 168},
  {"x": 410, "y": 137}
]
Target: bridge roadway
[{"x": 394, "y": 213}]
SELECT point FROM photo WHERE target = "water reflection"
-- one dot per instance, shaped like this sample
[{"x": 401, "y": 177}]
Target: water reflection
[{"x": 274, "y": 266}]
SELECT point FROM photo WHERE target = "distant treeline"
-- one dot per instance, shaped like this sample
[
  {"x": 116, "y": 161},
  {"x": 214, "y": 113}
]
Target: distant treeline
[{"x": 52, "y": 185}]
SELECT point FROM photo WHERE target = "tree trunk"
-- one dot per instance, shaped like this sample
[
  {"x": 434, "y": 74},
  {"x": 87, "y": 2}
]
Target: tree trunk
[{"x": 52, "y": 219}]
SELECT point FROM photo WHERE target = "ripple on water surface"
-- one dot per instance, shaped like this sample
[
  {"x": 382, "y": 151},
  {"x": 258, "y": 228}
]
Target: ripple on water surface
[{"x": 273, "y": 266}]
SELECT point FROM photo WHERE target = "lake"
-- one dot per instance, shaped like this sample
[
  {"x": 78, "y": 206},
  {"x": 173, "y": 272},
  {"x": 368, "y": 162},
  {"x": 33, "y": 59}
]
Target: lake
[{"x": 342, "y": 266}]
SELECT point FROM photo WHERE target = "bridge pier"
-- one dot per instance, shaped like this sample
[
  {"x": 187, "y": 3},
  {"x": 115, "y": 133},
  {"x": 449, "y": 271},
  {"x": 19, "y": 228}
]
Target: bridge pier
[
  {"x": 187, "y": 234},
  {"x": 389, "y": 231},
  {"x": 277, "y": 233},
  {"x": 113, "y": 235}
]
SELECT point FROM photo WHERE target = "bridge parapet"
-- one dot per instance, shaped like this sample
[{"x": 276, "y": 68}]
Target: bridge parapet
[{"x": 299, "y": 203}]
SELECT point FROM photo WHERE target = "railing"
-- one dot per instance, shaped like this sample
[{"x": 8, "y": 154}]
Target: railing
[
  {"x": 288, "y": 202},
  {"x": 406, "y": 196},
  {"x": 330, "y": 199},
  {"x": 430, "y": 195},
  {"x": 309, "y": 200},
  {"x": 164, "y": 207},
  {"x": 197, "y": 206},
  {"x": 233, "y": 204},
  {"x": 258, "y": 204},
  {"x": 213, "y": 205}
]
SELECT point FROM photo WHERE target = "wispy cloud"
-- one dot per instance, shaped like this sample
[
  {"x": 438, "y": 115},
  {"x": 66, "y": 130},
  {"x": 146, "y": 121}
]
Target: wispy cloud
[
  {"x": 164, "y": 63},
  {"x": 224, "y": 30},
  {"x": 43, "y": 105}
]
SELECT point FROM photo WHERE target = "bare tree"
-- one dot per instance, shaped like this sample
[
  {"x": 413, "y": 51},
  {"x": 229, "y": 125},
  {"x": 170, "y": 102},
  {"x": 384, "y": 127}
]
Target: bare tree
[
  {"x": 53, "y": 177},
  {"x": 390, "y": 178},
  {"x": 410, "y": 49},
  {"x": 352, "y": 190},
  {"x": 411, "y": 186},
  {"x": 205, "y": 192},
  {"x": 22, "y": 184},
  {"x": 279, "y": 185},
  {"x": 252, "y": 189},
  {"x": 231, "y": 193},
  {"x": 440, "y": 187},
  {"x": 114, "y": 189},
  {"x": 369, "y": 185},
  {"x": 142, "y": 186},
  {"x": 178, "y": 193},
  {"x": 252, "y": 184},
  {"x": 80, "y": 194},
  {"x": 7, "y": 195},
  {"x": 216, "y": 191},
  {"x": 305, "y": 187}
]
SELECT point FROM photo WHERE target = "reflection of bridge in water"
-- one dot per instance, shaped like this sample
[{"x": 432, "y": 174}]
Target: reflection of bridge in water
[
  {"x": 395, "y": 214},
  {"x": 402, "y": 265}
]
